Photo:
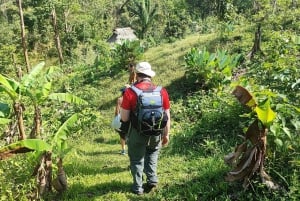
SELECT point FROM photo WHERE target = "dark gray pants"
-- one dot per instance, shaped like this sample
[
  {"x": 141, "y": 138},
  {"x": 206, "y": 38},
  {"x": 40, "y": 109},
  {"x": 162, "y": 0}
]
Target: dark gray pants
[{"x": 143, "y": 154}]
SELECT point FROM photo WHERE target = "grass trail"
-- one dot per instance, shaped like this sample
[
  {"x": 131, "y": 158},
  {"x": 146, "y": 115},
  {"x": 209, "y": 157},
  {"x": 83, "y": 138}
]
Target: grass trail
[{"x": 96, "y": 170}]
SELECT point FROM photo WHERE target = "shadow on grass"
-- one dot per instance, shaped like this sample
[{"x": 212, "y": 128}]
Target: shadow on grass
[
  {"x": 209, "y": 185},
  {"x": 104, "y": 140},
  {"x": 82, "y": 192},
  {"x": 215, "y": 131},
  {"x": 181, "y": 88},
  {"x": 82, "y": 169}
]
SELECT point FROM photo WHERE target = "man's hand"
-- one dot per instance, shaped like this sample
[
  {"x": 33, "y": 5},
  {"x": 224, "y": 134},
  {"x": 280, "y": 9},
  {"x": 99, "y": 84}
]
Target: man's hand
[{"x": 165, "y": 140}]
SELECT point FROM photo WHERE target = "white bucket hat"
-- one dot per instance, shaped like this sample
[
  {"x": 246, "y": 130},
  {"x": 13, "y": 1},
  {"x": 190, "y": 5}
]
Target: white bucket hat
[{"x": 145, "y": 68}]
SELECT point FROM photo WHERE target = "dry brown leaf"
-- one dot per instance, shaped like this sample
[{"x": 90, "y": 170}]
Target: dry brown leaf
[
  {"x": 258, "y": 159},
  {"x": 241, "y": 171},
  {"x": 231, "y": 158},
  {"x": 266, "y": 179},
  {"x": 239, "y": 176},
  {"x": 242, "y": 94},
  {"x": 245, "y": 163}
]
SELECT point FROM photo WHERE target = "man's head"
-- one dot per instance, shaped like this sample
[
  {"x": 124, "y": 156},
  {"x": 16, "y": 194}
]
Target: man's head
[{"x": 144, "y": 68}]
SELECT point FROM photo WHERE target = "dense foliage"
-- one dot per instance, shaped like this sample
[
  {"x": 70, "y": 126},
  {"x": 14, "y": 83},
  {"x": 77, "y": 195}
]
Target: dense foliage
[{"x": 251, "y": 43}]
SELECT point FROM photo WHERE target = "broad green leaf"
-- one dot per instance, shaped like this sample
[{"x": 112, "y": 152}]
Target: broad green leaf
[
  {"x": 287, "y": 132},
  {"x": 296, "y": 124},
  {"x": 37, "y": 145},
  {"x": 265, "y": 114},
  {"x": 227, "y": 71},
  {"x": 42, "y": 93},
  {"x": 66, "y": 97},
  {"x": 8, "y": 86},
  {"x": 29, "y": 78},
  {"x": 33, "y": 144},
  {"x": 278, "y": 142},
  {"x": 4, "y": 121},
  {"x": 62, "y": 133}
]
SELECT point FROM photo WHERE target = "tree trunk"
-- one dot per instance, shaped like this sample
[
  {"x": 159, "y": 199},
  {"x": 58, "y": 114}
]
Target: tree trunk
[
  {"x": 19, "y": 3},
  {"x": 60, "y": 183},
  {"x": 274, "y": 5},
  {"x": 56, "y": 37},
  {"x": 44, "y": 175},
  {"x": 257, "y": 42},
  {"x": 68, "y": 30},
  {"x": 36, "y": 130},
  {"x": 19, "y": 108},
  {"x": 18, "y": 68}
]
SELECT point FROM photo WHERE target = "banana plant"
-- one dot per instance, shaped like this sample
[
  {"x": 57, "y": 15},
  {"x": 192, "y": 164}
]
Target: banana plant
[
  {"x": 38, "y": 89},
  {"x": 249, "y": 157},
  {"x": 58, "y": 149},
  {"x": 10, "y": 87},
  {"x": 54, "y": 150}
]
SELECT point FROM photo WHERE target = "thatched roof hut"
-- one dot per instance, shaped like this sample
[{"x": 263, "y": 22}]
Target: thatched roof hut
[{"x": 121, "y": 34}]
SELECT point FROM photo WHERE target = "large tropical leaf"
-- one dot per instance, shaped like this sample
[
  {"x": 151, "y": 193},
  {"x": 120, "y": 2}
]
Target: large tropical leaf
[
  {"x": 60, "y": 137},
  {"x": 9, "y": 86},
  {"x": 42, "y": 93},
  {"x": 66, "y": 97},
  {"x": 4, "y": 121},
  {"x": 31, "y": 77},
  {"x": 24, "y": 146},
  {"x": 265, "y": 114}
]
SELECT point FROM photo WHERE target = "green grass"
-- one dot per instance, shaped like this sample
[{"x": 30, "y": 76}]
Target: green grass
[
  {"x": 96, "y": 171},
  {"x": 190, "y": 168}
]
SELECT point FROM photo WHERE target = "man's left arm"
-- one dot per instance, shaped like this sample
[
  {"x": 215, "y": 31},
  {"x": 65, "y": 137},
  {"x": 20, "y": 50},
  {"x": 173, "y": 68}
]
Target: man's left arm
[{"x": 166, "y": 134}]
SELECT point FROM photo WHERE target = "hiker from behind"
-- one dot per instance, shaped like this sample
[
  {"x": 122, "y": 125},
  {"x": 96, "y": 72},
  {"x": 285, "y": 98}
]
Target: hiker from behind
[
  {"x": 144, "y": 142},
  {"x": 132, "y": 74},
  {"x": 117, "y": 112}
]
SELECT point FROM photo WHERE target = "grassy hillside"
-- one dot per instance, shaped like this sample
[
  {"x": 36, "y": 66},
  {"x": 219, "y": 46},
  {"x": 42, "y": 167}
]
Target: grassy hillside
[
  {"x": 190, "y": 168},
  {"x": 205, "y": 128}
]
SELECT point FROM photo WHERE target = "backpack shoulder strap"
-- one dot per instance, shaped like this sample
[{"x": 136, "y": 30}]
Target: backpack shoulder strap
[
  {"x": 139, "y": 91},
  {"x": 158, "y": 88},
  {"x": 136, "y": 90}
]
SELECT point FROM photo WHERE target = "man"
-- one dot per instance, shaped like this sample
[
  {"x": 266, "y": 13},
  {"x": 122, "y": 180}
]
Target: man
[{"x": 143, "y": 150}]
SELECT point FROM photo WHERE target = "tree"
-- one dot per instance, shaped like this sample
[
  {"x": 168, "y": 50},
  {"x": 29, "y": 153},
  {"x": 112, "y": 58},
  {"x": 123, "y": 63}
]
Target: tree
[
  {"x": 19, "y": 3},
  {"x": 46, "y": 152},
  {"x": 249, "y": 157},
  {"x": 56, "y": 36},
  {"x": 37, "y": 87},
  {"x": 145, "y": 14},
  {"x": 257, "y": 7}
]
